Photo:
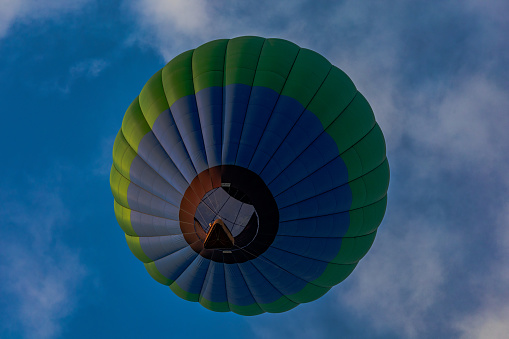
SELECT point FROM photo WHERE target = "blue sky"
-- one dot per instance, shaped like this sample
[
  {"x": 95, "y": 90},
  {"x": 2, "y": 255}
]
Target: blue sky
[{"x": 436, "y": 75}]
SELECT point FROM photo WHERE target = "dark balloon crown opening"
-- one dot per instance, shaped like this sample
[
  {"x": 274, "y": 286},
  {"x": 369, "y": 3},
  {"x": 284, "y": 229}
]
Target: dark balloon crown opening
[{"x": 243, "y": 204}]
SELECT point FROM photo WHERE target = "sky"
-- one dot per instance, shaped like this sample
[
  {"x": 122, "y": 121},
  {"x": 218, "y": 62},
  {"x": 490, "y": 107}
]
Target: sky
[{"x": 436, "y": 76}]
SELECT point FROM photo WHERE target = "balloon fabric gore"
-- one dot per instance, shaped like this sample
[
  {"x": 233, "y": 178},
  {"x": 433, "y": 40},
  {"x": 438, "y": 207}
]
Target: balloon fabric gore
[{"x": 249, "y": 175}]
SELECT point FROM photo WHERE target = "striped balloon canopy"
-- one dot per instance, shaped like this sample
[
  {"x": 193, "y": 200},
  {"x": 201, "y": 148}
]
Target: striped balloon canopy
[{"x": 249, "y": 175}]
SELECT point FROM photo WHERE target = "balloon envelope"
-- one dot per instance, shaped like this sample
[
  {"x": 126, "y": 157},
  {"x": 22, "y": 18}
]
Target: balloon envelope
[{"x": 249, "y": 175}]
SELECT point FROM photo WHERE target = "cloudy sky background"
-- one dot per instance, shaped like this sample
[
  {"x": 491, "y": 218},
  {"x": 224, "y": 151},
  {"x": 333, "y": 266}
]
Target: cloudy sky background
[{"x": 436, "y": 75}]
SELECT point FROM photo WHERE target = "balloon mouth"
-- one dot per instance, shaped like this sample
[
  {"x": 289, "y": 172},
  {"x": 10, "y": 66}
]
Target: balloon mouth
[
  {"x": 219, "y": 236},
  {"x": 228, "y": 201}
]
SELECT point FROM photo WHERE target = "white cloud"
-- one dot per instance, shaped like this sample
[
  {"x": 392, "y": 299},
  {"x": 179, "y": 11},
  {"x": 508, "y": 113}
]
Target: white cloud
[
  {"x": 40, "y": 274},
  {"x": 420, "y": 260},
  {"x": 490, "y": 319},
  {"x": 173, "y": 26},
  {"x": 89, "y": 68},
  {"x": 179, "y": 19},
  {"x": 488, "y": 323},
  {"x": 188, "y": 17},
  {"x": 468, "y": 126},
  {"x": 401, "y": 278},
  {"x": 26, "y": 10},
  {"x": 492, "y": 10},
  {"x": 44, "y": 285},
  {"x": 10, "y": 10}
]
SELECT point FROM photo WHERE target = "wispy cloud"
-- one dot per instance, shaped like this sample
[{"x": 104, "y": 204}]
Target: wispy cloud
[
  {"x": 40, "y": 273},
  {"x": 489, "y": 319},
  {"x": 27, "y": 10},
  {"x": 102, "y": 164},
  {"x": 176, "y": 25},
  {"x": 90, "y": 68},
  {"x": 490, "y": 322},
  {"x": 401, "y": 280}
]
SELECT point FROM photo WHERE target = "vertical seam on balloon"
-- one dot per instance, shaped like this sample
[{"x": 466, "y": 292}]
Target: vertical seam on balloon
[
  {"x": 122, "y": 209},
  {"x": 114, "y": 167},
  {"x": 270, "y": 283},
  {"x": 165, "y": 255},
  {"x": 184, "y": 147},
  {"x": 225, "y": 287},
  {"x": 324, "y": 215},
  {"x": 151, "y": 128},
  {"x": 223, "y": 102},
  {"x": 268, "y": 261},
  {"x": 183, "y": 270},
  {"x": 150, "y": 215},
  {"x": 122, "y": 127},
  {"x": 327, "y": 191},
  {"x": 198, "y": 113},
  {"x": 162, "y": 256},
  {"x": 296, "y": 276},
  {"x": 162, "y": 217},
  {"x": 118, "y": 190},
  {"x": 275, "y": 105},
  {"x": 153, "y": 227},
  {"x": 249, "y": 100},
  {"x": 156, "y": 138},
  {"x": 199, "y": 121},
  {"x": 224, "y": 274},
  {"x": 180, "y": 136},
  {"x": 323, "y": 261},
  {"x": 296, "y": 120},
  {"x": 349, "y": 181},
  {"x": 248, "y": 289},
  {"x": 312, "y": 142},
  {"x": 189, "y": 159},
  {"x": 281, "y": 268},
  {"x": 365, "y": 190},
  {"x": 355, "y": 239},
  {"x": 303, "y": 256},
  {"x": 148, "y": 165},
  {"x": 203, "y": 285},
  {"x": 196, "y": 255},
  {"x": 141, "y": 188},
  {"x": 174, "y": 165},
  {"x": 309, "y": 237},
  {"x": 124, "y": 153},
  {"x": 333, "y": 159}
]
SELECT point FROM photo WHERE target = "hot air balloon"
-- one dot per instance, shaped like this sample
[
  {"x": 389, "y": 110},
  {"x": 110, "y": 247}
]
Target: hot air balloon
[{"x": 249, "y": 175}]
